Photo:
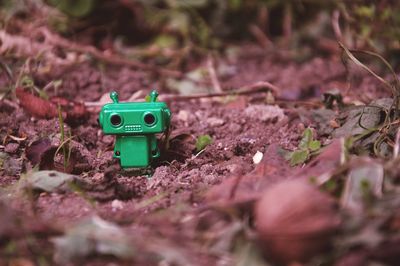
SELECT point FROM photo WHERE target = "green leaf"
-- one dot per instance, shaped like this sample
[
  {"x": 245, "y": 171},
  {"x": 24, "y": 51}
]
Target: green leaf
[
  {"x": 187, "y": 3},
  {"x": 314, "y": 145},
  {"x": 180, "y": 22},
  {"x": 307, "y": 138},
  {"x": 165, "y": 41},
  {"x": 75, "y": 8},
  {"x": 366, "y": 11},
  {"x": 299, "y": 157},
  {"x": 235, "y": 4},
  {"x": 202, "y": 142}
]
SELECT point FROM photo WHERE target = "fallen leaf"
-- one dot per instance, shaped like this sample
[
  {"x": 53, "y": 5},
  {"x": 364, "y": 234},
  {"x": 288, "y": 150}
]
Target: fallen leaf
[
  {"x": 365, "y": 181},
  {"x": 295, "y": 221},
  {"x": 36, "y": 106},
  {"x": 357, "y": 120},
  {"x": 37, "y": 150},
  {"x": 75, "y": 112},
  {"x": 92, "y": 235},
  {"x": 191, "y": 84},
  {"x": 49, "y": 181}
]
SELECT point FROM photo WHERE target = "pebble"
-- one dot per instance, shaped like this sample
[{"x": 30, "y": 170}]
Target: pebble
[
  {"x": 108, "y": 139},
  {"x": 11, "y": 147},
  {"x": 235, "y": 128},
  {"x": 257, "y": 157},
  {"x": 117, "y": 205},
  {"x": 215, "y": 122},
  {"x": 265, "y": 113}
]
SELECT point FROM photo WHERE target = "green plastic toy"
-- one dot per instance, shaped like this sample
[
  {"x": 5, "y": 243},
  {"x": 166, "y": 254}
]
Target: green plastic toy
[{"x": 135, "y": 125}]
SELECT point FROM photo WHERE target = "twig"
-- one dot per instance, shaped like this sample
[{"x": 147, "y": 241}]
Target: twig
[
  {"x": 262, "y": 86},
  {"x": 396, "y": 145},
  {"x": 336, "y": 26},
  {"x": 111, "y": 59},
  {"x": 213, "y": 75},
  {"x": 6, "y": 69},
  {"x": 360, "y": 64},
  {"x": 287, "y": 22},
  {"x": 260, "y": 36}
]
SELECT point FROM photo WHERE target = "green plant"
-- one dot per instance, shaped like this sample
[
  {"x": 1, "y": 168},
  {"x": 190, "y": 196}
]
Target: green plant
[
  {"x": 202, "y": 142},
  {"x": 373, "y": 126},
  {"x": 307, "y": 148},
  {"x": 372, "y": 25},
  {"x": 64, "y": 142},
  {"x": 74, "y": 8},
  {"x": 27, "y": 81}
]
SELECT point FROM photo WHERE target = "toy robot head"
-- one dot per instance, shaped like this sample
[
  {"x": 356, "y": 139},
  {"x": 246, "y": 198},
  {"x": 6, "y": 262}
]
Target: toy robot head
[{"x": 135, "y": 118}]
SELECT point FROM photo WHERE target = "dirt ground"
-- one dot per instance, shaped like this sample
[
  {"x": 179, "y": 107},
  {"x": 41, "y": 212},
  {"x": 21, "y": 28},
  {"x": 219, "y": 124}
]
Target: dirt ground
[{"x": 183, "y": 211}]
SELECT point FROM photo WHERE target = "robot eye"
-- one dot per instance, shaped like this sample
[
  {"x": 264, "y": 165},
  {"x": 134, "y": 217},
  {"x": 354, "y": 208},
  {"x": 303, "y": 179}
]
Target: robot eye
[
  {"x": 115, "y": 120},
  {"x": 149, "y": 119}
]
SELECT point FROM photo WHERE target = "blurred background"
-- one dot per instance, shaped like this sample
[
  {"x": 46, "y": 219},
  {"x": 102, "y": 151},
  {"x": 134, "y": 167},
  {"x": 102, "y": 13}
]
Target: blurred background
[{"x": 168, "y": 30}]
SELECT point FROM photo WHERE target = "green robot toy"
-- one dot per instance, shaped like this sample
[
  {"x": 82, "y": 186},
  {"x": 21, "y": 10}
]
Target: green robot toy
[{"x": 135, "y": 125}]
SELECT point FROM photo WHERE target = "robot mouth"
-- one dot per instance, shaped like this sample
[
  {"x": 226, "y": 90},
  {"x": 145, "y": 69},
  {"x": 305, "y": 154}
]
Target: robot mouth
[{"x": 133, "y": 128}]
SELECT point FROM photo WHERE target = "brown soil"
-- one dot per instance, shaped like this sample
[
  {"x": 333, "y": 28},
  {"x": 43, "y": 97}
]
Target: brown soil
[{"x": 174, "y": 205}]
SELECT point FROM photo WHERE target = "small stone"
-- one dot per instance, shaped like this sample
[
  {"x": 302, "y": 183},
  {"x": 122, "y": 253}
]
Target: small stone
[
  {"x": 183, "y": 116},
  {"x": 235, "y": 128},
  {"x": 108, "y": 139},
  {"x": 117, "y": 205},
  {"x": 215, "y": 122},
  {"x": 11, "y": 147},
  {"x": 98, "y": 177},
  {"x": 301, "y": 127},
  {"x": 265, "y": 113},
  {"x": 257, "y": 157},
  {"x": 12, "y": 166},
  {"x": 334, "y": 124},
  {"x": 233, "y": 168}
]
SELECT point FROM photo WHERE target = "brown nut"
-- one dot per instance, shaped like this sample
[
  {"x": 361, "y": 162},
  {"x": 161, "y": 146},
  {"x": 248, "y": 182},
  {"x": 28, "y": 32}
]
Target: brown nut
[{"x": 295, "y": 221}]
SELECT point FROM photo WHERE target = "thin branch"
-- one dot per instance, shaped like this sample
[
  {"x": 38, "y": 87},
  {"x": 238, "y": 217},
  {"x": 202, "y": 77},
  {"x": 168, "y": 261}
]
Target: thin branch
[
  {"x": 111, "y": 59},
  {"x": 336, "y": 25},
  {"x": 262, "y": 86},
  {"x": 360, "y": 64},
  {"x": 260, "y": 36},
  {"x": 213, "y": 75},
  {"x": 396, "y": 145}
]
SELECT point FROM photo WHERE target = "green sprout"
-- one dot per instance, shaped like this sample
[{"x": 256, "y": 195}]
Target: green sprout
[{"x": 307, "y": 148}]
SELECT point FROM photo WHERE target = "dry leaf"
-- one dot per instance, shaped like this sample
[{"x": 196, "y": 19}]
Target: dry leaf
[
  {"x": 295, "y": 221},
  {"x": 36, "y": 106}
]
